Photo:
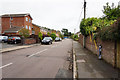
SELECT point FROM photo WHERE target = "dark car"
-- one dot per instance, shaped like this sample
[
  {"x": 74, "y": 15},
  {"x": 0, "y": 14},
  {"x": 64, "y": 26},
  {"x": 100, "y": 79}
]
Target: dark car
[
  {"x": 14, "y": 40},
  {"x": 47, "y": 40},
  {"x": 58, "y": 39}
]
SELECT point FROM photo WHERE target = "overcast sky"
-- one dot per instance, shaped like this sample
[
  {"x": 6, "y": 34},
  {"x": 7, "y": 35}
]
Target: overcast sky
[{"x": 55, "y": 14}]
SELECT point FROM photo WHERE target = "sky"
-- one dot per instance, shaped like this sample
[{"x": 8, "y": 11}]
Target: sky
[{"x": 55, "y": 14}]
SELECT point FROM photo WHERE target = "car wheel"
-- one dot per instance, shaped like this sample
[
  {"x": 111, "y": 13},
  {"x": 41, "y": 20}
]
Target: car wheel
[
  {"x": 15, "y": 42},
  {"x": 49, "y": 43}
]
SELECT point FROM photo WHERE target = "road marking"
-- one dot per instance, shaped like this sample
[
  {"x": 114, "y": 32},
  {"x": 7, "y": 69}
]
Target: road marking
[
  {"x": 81, "y": 61},
  {"x": 54, "y": 46},
  {"x": 37, "y": 53},
  {"x": 80, "y": 54},
  {"x": 6, "y": 65}
]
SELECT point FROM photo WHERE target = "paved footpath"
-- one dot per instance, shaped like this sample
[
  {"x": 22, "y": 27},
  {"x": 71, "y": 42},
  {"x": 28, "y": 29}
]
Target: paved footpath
[
  {"x": 17, "y": 48},
  {"x": 89, "y": 66}
]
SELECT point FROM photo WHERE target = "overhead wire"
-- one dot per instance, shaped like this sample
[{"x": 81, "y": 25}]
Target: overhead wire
[{"x": 78, "y": 22}]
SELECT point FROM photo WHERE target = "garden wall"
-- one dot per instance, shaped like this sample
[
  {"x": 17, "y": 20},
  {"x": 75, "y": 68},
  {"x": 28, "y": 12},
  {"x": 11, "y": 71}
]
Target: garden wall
[
  {"x": 108, "y": 48},
  {"x": 29, "y": 41}
]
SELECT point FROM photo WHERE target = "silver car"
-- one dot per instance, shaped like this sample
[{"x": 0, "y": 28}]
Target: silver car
[{"x": 3, "y": 38}]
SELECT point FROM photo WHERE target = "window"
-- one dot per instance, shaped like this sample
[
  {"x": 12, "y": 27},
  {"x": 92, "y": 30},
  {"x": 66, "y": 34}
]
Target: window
[
  {"x": 26, "y": 27},
  {"x": 29, "y": 28},
  {"x": 29, "y": 20},
  {"x": 11, "y": 18},
  {"x": 26, "y": 18}
]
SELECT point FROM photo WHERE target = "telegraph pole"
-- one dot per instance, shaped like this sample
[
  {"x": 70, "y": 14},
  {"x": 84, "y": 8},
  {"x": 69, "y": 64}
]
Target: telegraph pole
[
  {"x": 84, "y": 39},
  {"x": 84, "y": 9}
]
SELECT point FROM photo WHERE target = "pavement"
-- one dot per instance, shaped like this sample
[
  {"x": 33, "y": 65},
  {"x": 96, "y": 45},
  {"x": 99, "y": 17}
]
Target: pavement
[
  {"x": 89, "y": 66},
  {"x": 6, "y": 45},
  {"x": 13, "y": 48}
]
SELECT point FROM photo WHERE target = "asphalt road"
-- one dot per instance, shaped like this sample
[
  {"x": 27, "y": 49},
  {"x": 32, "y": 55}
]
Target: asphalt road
[{"x": 45, "y": 61}]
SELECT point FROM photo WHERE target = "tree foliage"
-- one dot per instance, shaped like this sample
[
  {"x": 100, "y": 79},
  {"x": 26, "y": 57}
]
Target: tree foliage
[
  {"x": 53, "y": 35},
  {"x": 101, "y": 27},
  {"x": 61, "y": 35},
  {"x": 111, "y": 12},
  {"x": 24, "y": 32},
  {"x": 40, "y": 35},
  {"x": 48, "y": 34},
  {"x": 65, "y": 31},
  {"x": 75, "y": 37}
]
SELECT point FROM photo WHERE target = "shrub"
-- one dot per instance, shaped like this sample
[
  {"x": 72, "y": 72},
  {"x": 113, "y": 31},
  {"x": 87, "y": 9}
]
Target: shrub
[
  {"x": 24, "y": 32},
  {"x": 40, "y": 35},
  {"x": 53, "y": 35}
]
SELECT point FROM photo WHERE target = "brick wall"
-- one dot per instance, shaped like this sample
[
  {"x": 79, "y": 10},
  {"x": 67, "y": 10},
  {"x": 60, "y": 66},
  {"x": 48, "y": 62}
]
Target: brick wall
[
  {"x": 108, "y": 49},
  {"x": 80, "y": 40},
  {"x": 5, "y": 24},
  {"x": 36, "y": 29},
  {"x": 29, "y": 41}
]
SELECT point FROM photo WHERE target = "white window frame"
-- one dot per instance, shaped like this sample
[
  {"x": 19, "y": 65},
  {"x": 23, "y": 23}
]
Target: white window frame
[
  {"x": 26, "y": 18},
  {"x": 26, "y": 27},
  {"x": 11, "y": 18},
  {"x": 29, "y": 28},
  {"x": 29, "y": 20}
]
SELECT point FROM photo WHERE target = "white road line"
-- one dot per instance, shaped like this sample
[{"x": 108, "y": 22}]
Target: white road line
[
  {"x": 54, "y": 46},
  {"x": 6, "y": 65},
  {"x": 37, "y": 53}
]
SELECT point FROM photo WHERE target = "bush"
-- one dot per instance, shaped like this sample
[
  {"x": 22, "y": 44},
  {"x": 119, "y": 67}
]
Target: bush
[
  {"x": 109, "y": 33},
  {"x": 40, "y": 35},
  {"x": 48, "y": 34},
  {"x": 24, "y": 32},
  {"x": 53, "y": 35},
  {"x": 61, "y": 36},
  {"x": 75, "y": 37}
]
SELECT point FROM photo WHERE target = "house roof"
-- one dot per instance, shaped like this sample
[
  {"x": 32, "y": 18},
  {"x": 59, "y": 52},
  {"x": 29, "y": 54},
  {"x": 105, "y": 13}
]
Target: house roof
[
  {"x": 13, "y": 30},
  {"x": 16, "y": 15},
  {"x": 36, "y": 25}
]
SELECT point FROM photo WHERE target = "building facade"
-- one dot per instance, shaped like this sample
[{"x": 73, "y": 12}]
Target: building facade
[
  {"x": 35, "y": 29},
  {"x": 16, "y": 20}
]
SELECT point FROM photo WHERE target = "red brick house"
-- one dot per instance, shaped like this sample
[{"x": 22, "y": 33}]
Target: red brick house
[
  {"x": 35, "y": 29},
  {"x": 12, "y": 21}
]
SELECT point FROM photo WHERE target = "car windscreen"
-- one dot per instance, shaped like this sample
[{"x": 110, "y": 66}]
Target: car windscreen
[
  {"x": 46, "y": 38},
  {"x": 57, "y": 38}
]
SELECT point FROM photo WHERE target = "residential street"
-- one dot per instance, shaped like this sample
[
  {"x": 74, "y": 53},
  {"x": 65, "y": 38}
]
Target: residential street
[{"x": 44, "y": 61}]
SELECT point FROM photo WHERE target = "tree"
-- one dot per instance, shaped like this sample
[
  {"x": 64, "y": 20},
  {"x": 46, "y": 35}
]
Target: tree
[
  {"x": 61, "y": 36},
  {"x": 53, "y": 35},
  {"x": 40, "y": 35},
  {"x": 111, "y": 12},
  {"x": 65, "y": 31},
  {"x": 75, "y": 37},
  {"x": 48, "y": 34},
  {"x": 69, "y": 33},
  {"x": 24, "y": 32}
]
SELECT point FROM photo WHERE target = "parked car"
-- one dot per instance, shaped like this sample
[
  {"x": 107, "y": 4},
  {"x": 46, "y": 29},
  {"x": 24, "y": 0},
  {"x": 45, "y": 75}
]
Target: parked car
[
  {"x": 58, "y": 39},
  {"x": 47, "y": 40},
  {"x": 14, "y": 39},
  {"x": 3, "y": 38}
]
